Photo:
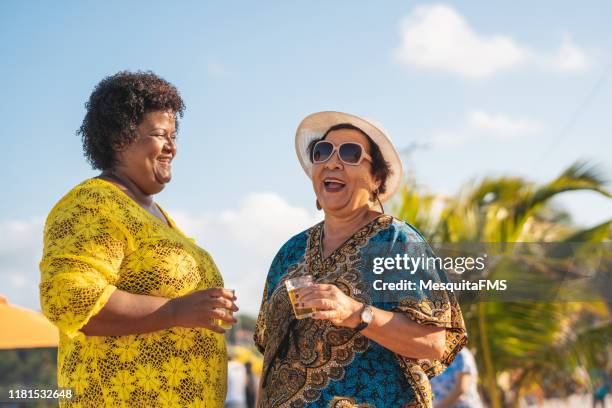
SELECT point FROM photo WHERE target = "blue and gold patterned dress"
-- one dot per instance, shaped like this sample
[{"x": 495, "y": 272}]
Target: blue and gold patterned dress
[{"x": 313, "y": 363}]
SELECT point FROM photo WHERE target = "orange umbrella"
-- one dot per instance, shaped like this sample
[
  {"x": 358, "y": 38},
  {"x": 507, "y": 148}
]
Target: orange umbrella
[{"x": 23, "y": 328}]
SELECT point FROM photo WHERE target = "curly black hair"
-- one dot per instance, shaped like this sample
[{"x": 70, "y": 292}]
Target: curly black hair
[
  {"x": 115, "y": 109},
  {"x": 380, "y": 170}
]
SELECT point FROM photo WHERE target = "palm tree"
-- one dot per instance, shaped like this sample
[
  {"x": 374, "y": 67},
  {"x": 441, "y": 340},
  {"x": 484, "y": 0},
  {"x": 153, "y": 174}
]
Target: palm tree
[{"x": 529, "y": 339}]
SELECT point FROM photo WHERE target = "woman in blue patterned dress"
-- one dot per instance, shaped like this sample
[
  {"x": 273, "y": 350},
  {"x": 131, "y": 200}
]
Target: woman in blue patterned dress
[{"x": 363, "y": 347}]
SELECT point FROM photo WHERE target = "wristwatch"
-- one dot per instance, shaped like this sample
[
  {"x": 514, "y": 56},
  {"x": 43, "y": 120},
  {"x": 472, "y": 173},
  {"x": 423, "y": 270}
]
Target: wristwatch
[{"x": 367, "y": 313}]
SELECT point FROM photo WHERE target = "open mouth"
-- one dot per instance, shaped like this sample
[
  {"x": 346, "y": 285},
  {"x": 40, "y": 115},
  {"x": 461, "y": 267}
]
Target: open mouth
[{"x": 333, "y": 185}]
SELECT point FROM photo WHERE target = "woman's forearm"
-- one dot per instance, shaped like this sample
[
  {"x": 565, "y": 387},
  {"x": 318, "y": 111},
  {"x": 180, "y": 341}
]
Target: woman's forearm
[
  {"x": 127, "y": 313},
  {"x": 404, "y": 336},
  {"x": 394, "y": 331}
]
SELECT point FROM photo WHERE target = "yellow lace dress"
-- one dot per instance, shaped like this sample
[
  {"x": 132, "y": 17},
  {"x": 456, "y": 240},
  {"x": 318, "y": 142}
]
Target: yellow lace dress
[{"x": 96, "y": 240}]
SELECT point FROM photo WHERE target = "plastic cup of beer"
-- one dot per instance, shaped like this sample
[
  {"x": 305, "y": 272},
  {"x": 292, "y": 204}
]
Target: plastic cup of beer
[
  {"x": 227, "y": 312},
  {"x": 296, "y": 283}
]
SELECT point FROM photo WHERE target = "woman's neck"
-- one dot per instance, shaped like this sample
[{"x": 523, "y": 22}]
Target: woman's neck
[
  {"x": 340, "y": 227},
  {"x": 129, "y": 187}
]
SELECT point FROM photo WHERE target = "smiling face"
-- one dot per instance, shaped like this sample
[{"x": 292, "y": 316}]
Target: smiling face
[
  {"x": 147, "y": 161},
  {"x": 342, "y": 188}
]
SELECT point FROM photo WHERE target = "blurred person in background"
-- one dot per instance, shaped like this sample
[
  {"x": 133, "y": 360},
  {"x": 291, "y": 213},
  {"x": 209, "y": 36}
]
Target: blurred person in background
[
  {"x": 138, "y": 304},
  {"x": 601, "y": 391},
  {"x": 456, "y": 387},
  {"x": 236, "y": 383},
  {"x": 251, "y": 388}
]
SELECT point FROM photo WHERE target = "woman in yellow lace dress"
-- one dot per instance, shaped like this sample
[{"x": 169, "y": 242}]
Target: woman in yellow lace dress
[{"x": 135, "y": 300}]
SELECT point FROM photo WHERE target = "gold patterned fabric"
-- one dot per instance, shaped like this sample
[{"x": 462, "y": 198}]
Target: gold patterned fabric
[
  {"x": 312, "y": 363},
  {"x": 97, "y": 240}
]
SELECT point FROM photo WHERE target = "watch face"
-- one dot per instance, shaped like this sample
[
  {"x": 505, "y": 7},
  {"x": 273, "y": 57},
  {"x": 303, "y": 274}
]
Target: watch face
[{"x": 366, "y": 315}]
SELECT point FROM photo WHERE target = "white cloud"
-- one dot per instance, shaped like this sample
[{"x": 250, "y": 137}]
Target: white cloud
[
  {"x": 242, "y": 241},
  {"x": 265, "y": 221},
  {"x": 17, "y": 280},
  {"x": 20, "y": 252},
  {"x": 568, "y": 57},
  {"x": 480, "y": 124},
  {"x": 437, "y": 37},
  {"x": 497, "y": 124},
  {"x": 447, "y": 139}
]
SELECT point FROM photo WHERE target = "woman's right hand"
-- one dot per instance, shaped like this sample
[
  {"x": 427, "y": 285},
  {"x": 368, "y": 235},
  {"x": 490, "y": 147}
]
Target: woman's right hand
[{"x": 197, "y": 309}]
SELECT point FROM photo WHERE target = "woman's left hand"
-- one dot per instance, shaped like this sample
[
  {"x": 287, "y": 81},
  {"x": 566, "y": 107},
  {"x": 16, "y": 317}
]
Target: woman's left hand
[{"x": 331, "y": 304}]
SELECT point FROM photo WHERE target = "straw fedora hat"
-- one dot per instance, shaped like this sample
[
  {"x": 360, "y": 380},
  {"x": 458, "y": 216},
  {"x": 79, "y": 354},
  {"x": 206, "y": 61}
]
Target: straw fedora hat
[{"x": 314, "y": 127}]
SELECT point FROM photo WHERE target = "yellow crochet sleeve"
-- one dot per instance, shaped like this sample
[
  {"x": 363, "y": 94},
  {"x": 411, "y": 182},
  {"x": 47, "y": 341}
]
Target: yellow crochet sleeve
[{"x": 83, "y": 250}]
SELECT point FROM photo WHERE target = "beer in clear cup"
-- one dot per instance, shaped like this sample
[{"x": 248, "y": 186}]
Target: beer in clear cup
[{"x": 292, "y": 285}]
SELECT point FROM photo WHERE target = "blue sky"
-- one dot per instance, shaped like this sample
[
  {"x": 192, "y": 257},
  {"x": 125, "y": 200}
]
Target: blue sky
[{"x": 520, "y": 88}]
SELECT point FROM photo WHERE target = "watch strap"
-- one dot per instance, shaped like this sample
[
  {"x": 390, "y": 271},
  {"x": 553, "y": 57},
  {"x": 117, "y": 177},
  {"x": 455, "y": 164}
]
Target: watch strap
[{"x": 362, "y": 324}]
